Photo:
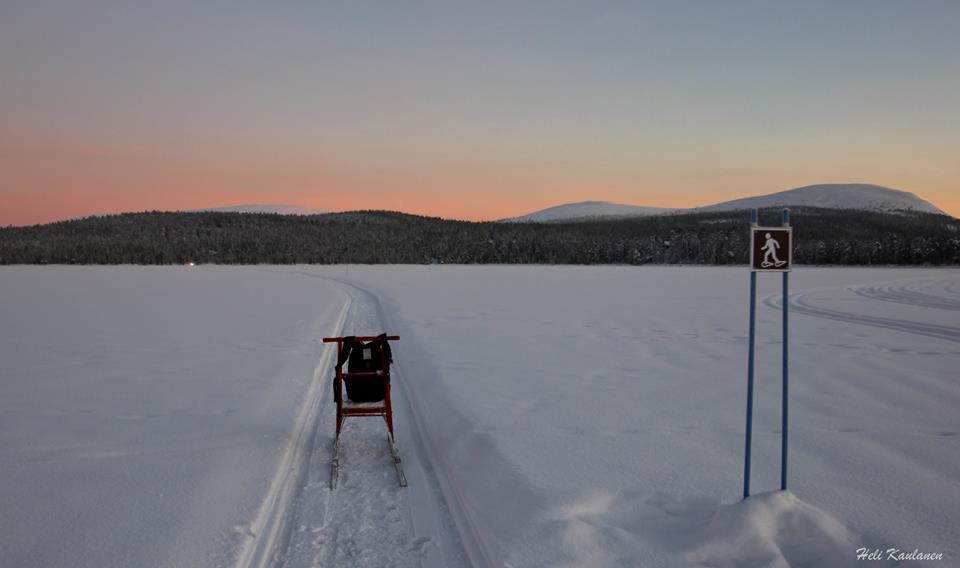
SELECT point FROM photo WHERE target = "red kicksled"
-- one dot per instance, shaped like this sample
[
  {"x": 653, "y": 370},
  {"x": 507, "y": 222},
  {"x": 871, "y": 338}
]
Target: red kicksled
[{"x": 363, "y": 389}]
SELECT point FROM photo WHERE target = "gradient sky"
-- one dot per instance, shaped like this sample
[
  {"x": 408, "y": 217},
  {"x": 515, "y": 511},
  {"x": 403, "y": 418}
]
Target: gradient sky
[{"x": 473, "y": 110}]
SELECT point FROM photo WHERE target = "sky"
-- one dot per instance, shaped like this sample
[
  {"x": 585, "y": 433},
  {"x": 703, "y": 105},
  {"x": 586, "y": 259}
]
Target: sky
[{"x": 469, "y": 110}]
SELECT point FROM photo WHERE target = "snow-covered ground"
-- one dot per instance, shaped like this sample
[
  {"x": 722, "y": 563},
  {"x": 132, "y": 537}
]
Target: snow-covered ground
[
  {"x": 577, "y": 416},
  {"x": 143, "y": 410}
]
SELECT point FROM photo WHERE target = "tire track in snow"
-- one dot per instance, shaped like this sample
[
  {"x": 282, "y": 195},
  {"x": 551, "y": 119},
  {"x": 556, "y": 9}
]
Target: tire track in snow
[
  {"x": 270, "y": 530},
  {"x": 802, "y": 304}
]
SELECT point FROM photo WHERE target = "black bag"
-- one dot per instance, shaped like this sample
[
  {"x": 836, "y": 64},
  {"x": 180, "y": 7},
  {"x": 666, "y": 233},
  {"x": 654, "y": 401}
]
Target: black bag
[
  {"x": 365, "y": 358},
  {"x": 374, "y": 356}
]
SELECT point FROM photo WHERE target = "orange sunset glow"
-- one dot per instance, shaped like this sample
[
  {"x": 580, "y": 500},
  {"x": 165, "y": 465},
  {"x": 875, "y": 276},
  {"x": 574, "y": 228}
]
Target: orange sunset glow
[{"x": 337, "y": 110}]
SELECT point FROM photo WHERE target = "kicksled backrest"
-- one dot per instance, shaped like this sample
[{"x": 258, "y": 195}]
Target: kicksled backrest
[{"x": 368, "y": 362}]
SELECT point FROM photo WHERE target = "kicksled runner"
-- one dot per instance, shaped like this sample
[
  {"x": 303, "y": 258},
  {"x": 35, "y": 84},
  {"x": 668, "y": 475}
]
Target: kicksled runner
[{"x": 363, "y": 390}]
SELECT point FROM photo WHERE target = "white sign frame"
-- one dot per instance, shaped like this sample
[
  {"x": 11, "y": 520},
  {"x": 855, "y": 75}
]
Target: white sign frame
[{"x": 788, "y": 267}]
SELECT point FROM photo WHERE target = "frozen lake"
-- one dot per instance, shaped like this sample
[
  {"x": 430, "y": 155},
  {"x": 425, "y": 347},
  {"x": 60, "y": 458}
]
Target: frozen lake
[{"x": 546, "y": 415}]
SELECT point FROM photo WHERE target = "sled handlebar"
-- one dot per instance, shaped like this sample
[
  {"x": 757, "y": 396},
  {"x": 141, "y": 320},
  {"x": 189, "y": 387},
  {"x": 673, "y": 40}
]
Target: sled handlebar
[{"x": 360, "y": 338}]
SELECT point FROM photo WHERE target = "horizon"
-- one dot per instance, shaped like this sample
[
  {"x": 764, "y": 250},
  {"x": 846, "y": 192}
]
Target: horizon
[
  {"x": 323, "y": 211},
  {"x": 238, "y": 208},
  {"x": 475, "y": 112}
]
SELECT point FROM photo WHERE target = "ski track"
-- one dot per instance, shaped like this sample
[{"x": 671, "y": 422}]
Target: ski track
[
  {"x": 896, "y": 292},
  {"x": 270, "y": 530},
  {"x": 368, "y": 520},
  {"x": 905, "y": 293}
]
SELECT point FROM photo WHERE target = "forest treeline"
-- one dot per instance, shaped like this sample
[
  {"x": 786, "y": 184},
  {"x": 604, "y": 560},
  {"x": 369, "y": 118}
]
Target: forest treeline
[{"x": 821, "y": 236}]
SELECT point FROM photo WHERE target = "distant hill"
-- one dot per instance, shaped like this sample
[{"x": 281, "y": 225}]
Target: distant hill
[
  {"x": 821, "y": 236},
  {"x": 861, "y": 196},
  {"x": 588, "y": 210},
  {"x": 278, "y": 209}
]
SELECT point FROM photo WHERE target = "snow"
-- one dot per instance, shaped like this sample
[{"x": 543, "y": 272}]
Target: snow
[
  {"x": 143, "y": 410},
  {"x": 863, "y": 196},
  {"x": 587, "y": 210},
  {"x": 566, "y": 403},
  {"x": 563, "y": 416},
  {"x": 773, "y": 529},
  {"x": 279, "y": 209}
]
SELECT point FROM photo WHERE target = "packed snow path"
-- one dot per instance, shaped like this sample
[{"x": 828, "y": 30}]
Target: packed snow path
[{"x": 368, "y": 520}]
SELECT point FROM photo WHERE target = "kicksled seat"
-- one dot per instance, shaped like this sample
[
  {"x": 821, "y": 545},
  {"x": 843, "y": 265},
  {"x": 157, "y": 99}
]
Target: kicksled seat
[{"x": 363, "y": 389}]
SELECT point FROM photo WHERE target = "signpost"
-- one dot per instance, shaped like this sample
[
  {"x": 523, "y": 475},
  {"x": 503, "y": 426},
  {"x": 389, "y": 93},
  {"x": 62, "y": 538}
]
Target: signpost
[{"x": 771, "y": 250}]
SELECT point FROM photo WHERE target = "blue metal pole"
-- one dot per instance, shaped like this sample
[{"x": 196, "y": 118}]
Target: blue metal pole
[
  {"x": 786, "y": 367},
  {"x": 753, "y": 335}
]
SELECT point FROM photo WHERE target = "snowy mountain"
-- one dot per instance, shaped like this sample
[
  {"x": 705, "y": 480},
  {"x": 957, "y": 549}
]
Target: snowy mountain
[
  {"x": 279, "y": 209},
  {"x": 861, "y": 196},
  {"x": 587, "y": 210}
]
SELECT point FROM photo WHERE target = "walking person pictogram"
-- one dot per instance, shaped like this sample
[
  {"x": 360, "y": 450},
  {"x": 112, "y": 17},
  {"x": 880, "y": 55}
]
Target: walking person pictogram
[{"x": 770, "y": 250}]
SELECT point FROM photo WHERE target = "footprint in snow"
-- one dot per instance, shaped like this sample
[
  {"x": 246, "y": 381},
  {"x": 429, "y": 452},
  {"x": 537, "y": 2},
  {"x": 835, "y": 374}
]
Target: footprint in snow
[{"x": 418, "y": 544}]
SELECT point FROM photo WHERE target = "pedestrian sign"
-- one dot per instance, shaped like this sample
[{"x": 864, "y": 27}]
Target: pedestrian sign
[{"x": 770, "y": 249}]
